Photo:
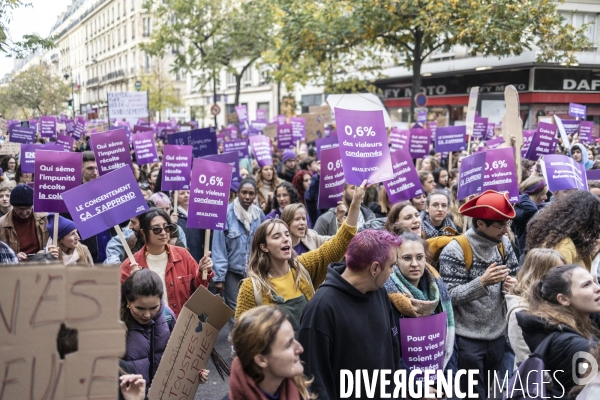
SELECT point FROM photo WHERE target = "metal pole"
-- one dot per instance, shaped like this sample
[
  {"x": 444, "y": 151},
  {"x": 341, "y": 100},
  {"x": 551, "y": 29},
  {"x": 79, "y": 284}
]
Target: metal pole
[
  {"x": 215, "y": 95},
  {"x": 73, "y": 97}
]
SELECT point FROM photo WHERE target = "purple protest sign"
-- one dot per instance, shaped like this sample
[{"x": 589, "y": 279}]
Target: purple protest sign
[
  {"x": 331, "y": 184},
  {"x": 145, "y": 148},
  {"x": 399, "y": 139},
  {"x": 280, "y": 119},
  {"x": 543, "y": 142},
  {"x": 577, "y": 110},
  {"x": 242, "y": 113},
  {"x": 298, "y": 128},
  {"x": 433, "y": 128},
  {"x": 420, "y": 139},
  {"x": 284, "y": 136},
  {"x": 406, "y": 184},
  {"x": 325, "y": 143},
  {"x": 66, "y": 141},
  {"x": 571, "y": 126},
  {"x": 527, "y": 138},
  {"x": 480, "y": 128},
  {"x": 209, "y": 193},
  {"x": 227, "y": 158},
  {"x": 592, "y": 174},
  {"x": 142, "y": 128},
  {"x": 422, "y": 342},
  {"x": 494, "y": 143},
  {"x": 48, "y": 127},
  {"x": 363, "y": 146},
  {"x": 470, "y": 177},
  {"x": 177, "y": 167},
  {"x": 490, "y": 132},
  {"x": 450, "y": 138},
  {"x": 562, "y": 173},
  {"x": 261, "y": 115},
  {"x": 27, "y": 158},
  {"x": 261, "y": 147},
  {"x": 105, "y": 202},
  {"x": 204, "y": 142},
  {"x": 585, "y": 131},
  {"x": 21, "y": 134},
  {"x": 179, "y": 139},
  {"x": 422, "y": 117},
  {"x": 55, "y": 173},
  {"x": 111, "y": 150},
  {"x": 239, "y": 145},
  {"x": 79, "y": 128},
  {"x": 500, "y": 174},
  {"x": 256, "y": 127}
]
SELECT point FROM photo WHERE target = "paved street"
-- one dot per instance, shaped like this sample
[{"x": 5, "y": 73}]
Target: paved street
[{"x": 216, "y": 388}]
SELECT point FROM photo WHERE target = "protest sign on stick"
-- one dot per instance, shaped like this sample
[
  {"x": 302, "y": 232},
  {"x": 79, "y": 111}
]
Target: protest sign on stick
[
  {"x": 563, "y": 134},
  {"x": 512, "y": 126},
  {"x": 261, "y": 148},
  {"x": 145, "y": 148},
  {"x": 406, "y": 183},
  {"x": 577, "y": 110},
  {"x": 419, "y": 142},
  {"x": 563, "y": 173},
  {"x": 47, "y": 127},
  {"x": 331, "y": 184},
  {"x": 177, "y": 167},
  {"x": 470, "y": 177},
  {"x": 21, "y": 134},
  {"x": 543, "y": 141},
  {"x": 239, "y": 145},
  {"x": 27, "y": 158},
  {"x": 203, "y": 141},
  {"x": 111, "y": 150},
  {"x": 422, "y": 342},
  {"x": 471, "y": 109},
  {"x": 285, "y": 138},
  {"x": 128, "y": 106},
  {"x": 363, "y": 146}
]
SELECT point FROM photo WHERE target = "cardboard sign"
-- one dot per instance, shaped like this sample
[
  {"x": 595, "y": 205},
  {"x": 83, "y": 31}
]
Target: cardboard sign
[
  {"x": 261, "y": 148},
  {"x": 562, "y": 173},
  {"x": 406, "y": 183},
  {"x": 177, "y": 167},
  {"x": 324, "y": 111},
  {"x": 128, "y": 106},
  {"x": 471, "y": 111},
  {"x": 55, "y": 173},
  {"x": 189, "y": 347},
  {"x": 232, "y": 118},
  {"x": 239, "y": 145},
  {"x": 315, "y": 126},
  {"x": 270, "y": 131},
  {"x": 209, "y": 194},
  {"x": 8, "y": 148},
  {"x": 450, "y": 138},
  {"x": 203, "y": 141},
  {"x": 363, "y": 146},
  {"x": 21, "y": 134},
  {"x": 36, "y": 300},
  {"x": 105, "y": 202},
  {"x": 145, "y": 148},
  {"x": 577, "y": 110},
  {"x": 331, "y": 184},
  {"x": 111, "y": 150}
]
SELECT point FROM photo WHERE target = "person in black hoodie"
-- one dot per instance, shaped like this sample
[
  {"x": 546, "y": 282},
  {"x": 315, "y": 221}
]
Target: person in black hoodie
[
  {"x": 348, "y": 324},
  {"x": 564, "y": 303}
]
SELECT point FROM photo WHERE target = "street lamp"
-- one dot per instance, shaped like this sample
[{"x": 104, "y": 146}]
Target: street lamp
[{"x": 66, "y": 76}]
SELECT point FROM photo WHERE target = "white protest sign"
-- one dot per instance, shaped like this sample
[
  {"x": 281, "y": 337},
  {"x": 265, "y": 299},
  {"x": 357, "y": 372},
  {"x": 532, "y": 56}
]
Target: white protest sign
[{"x": 128, "y": 106}]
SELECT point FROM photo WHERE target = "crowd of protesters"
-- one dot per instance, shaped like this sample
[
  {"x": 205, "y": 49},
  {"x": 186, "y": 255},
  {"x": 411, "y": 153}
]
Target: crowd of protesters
[{"x": 509, "y": 278}]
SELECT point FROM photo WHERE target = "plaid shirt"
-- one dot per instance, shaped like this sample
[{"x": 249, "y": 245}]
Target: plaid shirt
[{"x": 7, "y": 256}]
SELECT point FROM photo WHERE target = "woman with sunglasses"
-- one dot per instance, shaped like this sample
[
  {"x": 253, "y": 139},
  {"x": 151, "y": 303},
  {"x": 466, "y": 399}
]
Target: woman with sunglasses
[{"x": 178, "y": 270}]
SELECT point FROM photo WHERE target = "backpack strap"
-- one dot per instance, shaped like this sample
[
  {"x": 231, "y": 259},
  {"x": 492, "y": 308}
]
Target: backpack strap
[{"x": 468, "y": 252}]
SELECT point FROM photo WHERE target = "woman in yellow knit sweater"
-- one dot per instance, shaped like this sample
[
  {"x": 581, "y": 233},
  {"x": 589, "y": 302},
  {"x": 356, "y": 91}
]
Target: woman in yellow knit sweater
[{"x": 277, "y": 276}]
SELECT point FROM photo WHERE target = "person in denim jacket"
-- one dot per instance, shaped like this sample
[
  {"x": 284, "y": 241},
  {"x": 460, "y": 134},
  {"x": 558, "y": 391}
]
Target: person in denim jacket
[{"x": 231, "y": 247}]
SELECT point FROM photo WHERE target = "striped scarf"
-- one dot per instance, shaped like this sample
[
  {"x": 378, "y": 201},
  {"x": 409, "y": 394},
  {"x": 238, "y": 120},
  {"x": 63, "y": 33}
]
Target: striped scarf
[
  {"x": 411, "y": 302},
  {"x": 430, "y": 230}
]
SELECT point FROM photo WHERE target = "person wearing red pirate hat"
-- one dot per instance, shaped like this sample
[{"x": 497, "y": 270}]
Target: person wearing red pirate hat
[{"x": 476, "y": 279}]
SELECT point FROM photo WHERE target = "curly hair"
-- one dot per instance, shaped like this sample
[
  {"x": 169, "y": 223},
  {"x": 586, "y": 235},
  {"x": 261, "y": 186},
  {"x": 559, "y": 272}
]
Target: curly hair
[
  {"x": 574, "y": 216},
  {"x": 294, "y": 196}
]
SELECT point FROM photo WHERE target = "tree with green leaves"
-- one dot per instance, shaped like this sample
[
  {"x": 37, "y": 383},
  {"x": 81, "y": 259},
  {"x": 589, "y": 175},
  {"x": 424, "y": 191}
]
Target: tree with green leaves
[
  {"x": 30, "y": 43},
  {"x": 37, "y": 91},
  {"x": 161, "y": 92}
]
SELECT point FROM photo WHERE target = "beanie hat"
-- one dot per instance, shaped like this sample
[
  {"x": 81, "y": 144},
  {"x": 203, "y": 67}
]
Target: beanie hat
[
  {"x": 65, "y": 226},
  {"x": 289, "y": 155},
  {"x": 490, "y": 205},
  {"x": 21, "y": 196}
]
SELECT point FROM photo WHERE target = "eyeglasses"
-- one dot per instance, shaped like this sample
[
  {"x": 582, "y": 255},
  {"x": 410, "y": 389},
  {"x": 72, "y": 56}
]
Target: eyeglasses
[
  {"x": 502, "y": 226},
  {"x": 408, "y": 259},
  {"x": 157, "y": 230}
]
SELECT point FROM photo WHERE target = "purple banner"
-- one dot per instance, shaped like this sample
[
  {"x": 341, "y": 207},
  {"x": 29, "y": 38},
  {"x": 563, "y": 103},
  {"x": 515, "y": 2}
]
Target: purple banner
[
  {"x": 422, "y": 342},
  {"x": 105, "y": 202},
  {"x": 433, "y": 128},
  {"x": 470, "y": 177},
  {"x": 21, "y": 134},
  {"x": 179, "y": 139},
  {"x": 111, "y": 150},
  {"x": 562, "y": 173},
  {"x": 298, "y": 128},
  {"x": 543, "y": 142},
  {"x": 145, "y": 148},
  {"x": 571, "y": 126},
  {"x": 592, "y": 174},
  {"x": 331, "y": 184},
  {"x": 177, "y": 167},
  {"x": 363, "y": 146},
  {"x": 261, "y": 147},
  {"x": 422, "y": 117},
  {"x": 55, "y": 173},
  {"x": 27, "y": 160},
  {"x": 585, "y": 131},
  {"x": 204, "y": 142},
  {"x": 577, "y": 110},
  {"x": 495, "y": 143},
  {"x": 285, "y": 138},
  {"x": 527, "y": 138},
  {"x": 209, "y": 193},
  {"x": 500, "y": 174},
  {"x": 280, "y": 119},
  {"x": 79, "y": 128},
  {"x": 228, "y": 158},
  {"x": 480, "y": 128},
  {"x": 242, "y": 113},
  {"x": 399, "y": 139},
  {"x": 66, "y": 141},
  {"x": 142, "y": 128},
  {"x": 420, "y": 140},
  {"x": 48, "y": 127},
  {"x": 261, "y": 115},
  {"x": 239, "y": 145},
  {"x": 491, "y": 131},
  {"x": 325, "y": 143},
  {"x": 406, "y": 184},
  {"x": 450, "y": 138}
]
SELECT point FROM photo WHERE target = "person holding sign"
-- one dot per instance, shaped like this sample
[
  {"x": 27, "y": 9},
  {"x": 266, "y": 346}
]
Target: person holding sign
[
  {"x": 417, "y": 290},
  {"x": 69, "y": 250},
  {"x": 179, "y": 271},
  {"x": 579, "y": 153},
  {"x": 277, "y": 276}
]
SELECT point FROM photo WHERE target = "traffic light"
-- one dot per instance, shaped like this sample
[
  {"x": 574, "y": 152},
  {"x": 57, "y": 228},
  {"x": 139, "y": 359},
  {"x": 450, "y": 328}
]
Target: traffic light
[{"x": 70, "y": 104}]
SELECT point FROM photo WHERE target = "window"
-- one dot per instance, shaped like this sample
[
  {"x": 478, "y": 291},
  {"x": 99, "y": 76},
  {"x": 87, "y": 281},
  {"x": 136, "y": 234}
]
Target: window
[
  {"x": 147, "y": 26},
  {"x": 148, "y": 62},
  {"x": 133, "y": 61},
  {"x": 311, "y": 100},
  {"x": 132, "y": 5},
  {"x": 265, "y": 107},
  {"x": 264, "y": 75},
  {"x": 132, "y": 29},
  {"x": 580, "y": 19},
  {"x": 247, "y": 78},
  {"x": 230, "y": 80}
]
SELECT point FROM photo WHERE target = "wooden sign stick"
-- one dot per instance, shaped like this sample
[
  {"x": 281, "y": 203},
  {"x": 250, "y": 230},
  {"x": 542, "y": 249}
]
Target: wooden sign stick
[
  {"x": 471, "y": 109},
  {"x": 55, "y": 241},
  {"x": 512, "y": 126},
  {"x": 124, "y": 243},
  {"x": 206, "y": 249}
]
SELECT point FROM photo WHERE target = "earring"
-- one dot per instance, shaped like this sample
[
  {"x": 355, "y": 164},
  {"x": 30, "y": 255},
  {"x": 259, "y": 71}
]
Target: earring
[{"x": 128, "y": 306}]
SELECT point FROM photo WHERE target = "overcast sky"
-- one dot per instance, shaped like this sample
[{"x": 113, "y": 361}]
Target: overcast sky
[{"x": 38, "y": 18}]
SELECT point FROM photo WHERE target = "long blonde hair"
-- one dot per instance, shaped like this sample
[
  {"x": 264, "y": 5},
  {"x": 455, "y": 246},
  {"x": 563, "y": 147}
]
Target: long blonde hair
[
  {"x": 254, "y": 334},
  {"x": 537, "y": 263}
]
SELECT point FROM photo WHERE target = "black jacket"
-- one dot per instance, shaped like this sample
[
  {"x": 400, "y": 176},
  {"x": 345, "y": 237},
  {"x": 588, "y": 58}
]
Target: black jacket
[
  {"x": 525, "y": 210},
  {"x": 376, "y": 208},
  {"x": 342, "y": 328},
  {"x": 559, "y": 357}
]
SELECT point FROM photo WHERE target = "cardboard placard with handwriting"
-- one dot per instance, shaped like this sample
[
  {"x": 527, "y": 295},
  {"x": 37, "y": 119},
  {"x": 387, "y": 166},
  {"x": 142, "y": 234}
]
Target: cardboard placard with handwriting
[
  {"x": 270, "y": 131},
  {"x": 62, "y": 337},
  {"x": 315, "y": 126},
  {"x": 10, "y": 148},
  {"x": 325, "y": 111},
  {"x": 232, "y": 118}
]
